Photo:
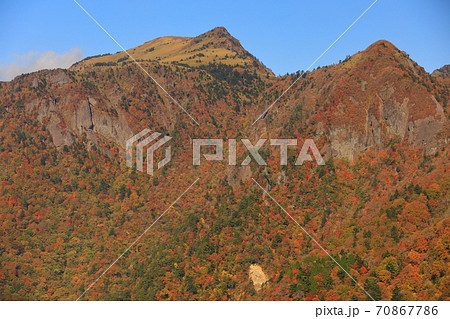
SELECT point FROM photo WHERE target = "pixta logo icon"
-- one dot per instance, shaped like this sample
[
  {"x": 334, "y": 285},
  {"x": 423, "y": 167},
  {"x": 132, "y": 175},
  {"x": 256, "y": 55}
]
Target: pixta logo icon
[{"x": 141, "y": 144}]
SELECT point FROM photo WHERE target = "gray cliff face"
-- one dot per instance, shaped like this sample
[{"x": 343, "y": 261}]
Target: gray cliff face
[
  {"x": 68, "y": 116},
  {"x": 392, "y": 119},
  {"x": 47, "y": 111},
  {"x": 82, "y": 119}
]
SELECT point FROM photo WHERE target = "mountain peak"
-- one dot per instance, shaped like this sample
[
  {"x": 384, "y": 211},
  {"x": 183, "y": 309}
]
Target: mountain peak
[
  {"x": 382, "y": 45},
  {"x": 214, "y": 46},
  {"x": 385, "y": 54},
  {"x": 219, "y": 37},
  {"x": 219, "y": 32},
  {"x": 443, "y": 72}
]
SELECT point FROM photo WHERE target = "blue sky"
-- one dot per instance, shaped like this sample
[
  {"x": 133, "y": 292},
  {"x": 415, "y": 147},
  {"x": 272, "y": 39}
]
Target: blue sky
[{"x": 285, "y": 35}]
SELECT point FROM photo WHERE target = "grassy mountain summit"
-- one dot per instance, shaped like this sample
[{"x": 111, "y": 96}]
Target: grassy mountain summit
[{"x": 214, "y": 46}]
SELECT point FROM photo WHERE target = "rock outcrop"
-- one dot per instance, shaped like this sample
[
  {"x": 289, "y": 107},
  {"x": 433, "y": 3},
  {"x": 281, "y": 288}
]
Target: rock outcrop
[
  {"x": 69, "y": 115},
  {"x": 257, "y": 276}
]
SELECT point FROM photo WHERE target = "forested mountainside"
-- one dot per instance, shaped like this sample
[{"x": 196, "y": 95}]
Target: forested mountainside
[{"x": 69, "y": 206}]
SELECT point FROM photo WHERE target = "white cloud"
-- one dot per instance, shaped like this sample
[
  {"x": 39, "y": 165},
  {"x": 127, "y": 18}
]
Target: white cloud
[{"x": 34, "y": 61}]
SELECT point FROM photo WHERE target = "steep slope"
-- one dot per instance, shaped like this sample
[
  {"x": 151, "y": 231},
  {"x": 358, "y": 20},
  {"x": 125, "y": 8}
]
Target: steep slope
[
  {"x": 364, "y": 102},
  {"x": 107, "y": 100}
]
